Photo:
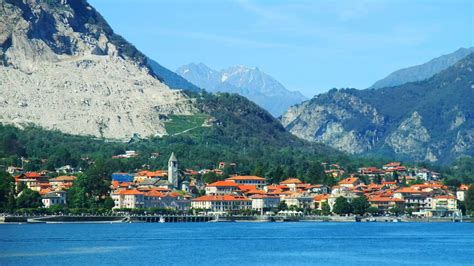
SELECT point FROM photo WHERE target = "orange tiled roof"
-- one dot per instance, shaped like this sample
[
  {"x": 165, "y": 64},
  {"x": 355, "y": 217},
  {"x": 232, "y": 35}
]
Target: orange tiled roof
[
  {"x": 255, "y": 191},
  {"x": 291, "y": 181},
  {"x": 321, "y": 197},
  {"x": 223, "y": 184},
  {"x": 407, "y": 190},
  {"x": 247, "y": 187},
  {"x": 348, "y": 181},
  {"x": 445, "y": 197},
  {"x": 154, "y": 193},
  {"x": 129, "y": 192}
]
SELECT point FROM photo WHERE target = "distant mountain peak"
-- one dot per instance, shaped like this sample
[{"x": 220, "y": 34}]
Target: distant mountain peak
[
  {"x": 250, "y": 82},
  {"x": 423, "y": 71}
]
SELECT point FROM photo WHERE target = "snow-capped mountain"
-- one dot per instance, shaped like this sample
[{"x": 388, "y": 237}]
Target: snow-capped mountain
[{"x": 249, "y": 82}]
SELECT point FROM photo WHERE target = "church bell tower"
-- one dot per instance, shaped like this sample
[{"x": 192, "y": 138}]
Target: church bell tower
[{"x": 173, "y": 171}]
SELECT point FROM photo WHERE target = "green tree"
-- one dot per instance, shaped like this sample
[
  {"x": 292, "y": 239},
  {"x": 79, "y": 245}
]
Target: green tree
[
  {"x": 282, "y": 206},
  {"x": 315, "y": 173},
  {"x": 7, "y": 191},
  {"x": 259, "y": 170},
  {"x": 291, "y": 172},
  {"x": 360, "y": 205},
  {"x": 469, "y": 200},
  {"x": 277, "y": 174},
  {"x": 373, "y": 210},
  {"x": 109, "y": 203},
  {"x": 210, "y": 177},
  {"x": 342, "y": 206},
  {"x": 325, "y": 209},
  {"x": 29, "y": 199},
  {"x": 76, "y": 197},
  {"x": 409, "y": 211},
  {"x": 54, "y": 209},
  {"x": 395, "y": 211}
]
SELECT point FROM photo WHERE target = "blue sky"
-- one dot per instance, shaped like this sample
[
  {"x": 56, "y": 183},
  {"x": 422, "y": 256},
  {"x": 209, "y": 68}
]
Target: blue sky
[{"x": 310, "y": 46}]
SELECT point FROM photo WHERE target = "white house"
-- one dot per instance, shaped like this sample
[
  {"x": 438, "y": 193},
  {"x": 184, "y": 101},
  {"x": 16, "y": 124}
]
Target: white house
[
  {"x": 221, "y": 203},
  {"x": 128, "y": 199},
  {"x": 54, "y": 198},
  {"x": 260, "y": 202}
]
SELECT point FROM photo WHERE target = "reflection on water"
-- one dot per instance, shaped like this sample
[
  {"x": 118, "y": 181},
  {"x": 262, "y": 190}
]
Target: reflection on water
[{"x": 69, "y": 251}]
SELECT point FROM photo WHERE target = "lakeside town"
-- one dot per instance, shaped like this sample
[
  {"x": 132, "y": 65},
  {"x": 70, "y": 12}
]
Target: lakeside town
[{"x": 393, "y": 190}]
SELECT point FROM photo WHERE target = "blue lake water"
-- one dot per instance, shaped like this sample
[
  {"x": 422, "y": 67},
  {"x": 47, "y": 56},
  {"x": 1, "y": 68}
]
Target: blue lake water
[{"x": 301, "y": 243}]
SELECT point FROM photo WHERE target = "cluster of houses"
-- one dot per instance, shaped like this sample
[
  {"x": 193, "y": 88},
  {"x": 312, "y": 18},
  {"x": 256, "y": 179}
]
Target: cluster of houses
[
  {"x": 179, "y": 190},
  {"x": 399, "y": 172},
  {"x": 52, "y": 190}
]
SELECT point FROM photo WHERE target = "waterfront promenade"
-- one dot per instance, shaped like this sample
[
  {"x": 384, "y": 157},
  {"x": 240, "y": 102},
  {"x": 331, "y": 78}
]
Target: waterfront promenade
[{"x": 217, "y": 218}]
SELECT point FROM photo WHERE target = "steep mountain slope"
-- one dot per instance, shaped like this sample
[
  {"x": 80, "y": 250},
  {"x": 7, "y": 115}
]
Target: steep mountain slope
[
  {"x": 249, "y": 82},
  {"x": 64, "y": 68},
  {"x": 170, "y": 78},
  {"x": 423, "y": 71},
  {"x": 428, "y": 120}
]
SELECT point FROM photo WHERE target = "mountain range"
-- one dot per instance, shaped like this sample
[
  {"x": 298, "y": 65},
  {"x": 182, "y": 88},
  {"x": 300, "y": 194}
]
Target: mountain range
[
  {"x": 63, "y": 68},
  {"x": 428, "y": 120},
  {"x": 251, "y": 83}
]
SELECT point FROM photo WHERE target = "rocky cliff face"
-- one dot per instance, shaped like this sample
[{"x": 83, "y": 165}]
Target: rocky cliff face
[
  {"x": 63, "y": 68},
  {"x": 424, "y": 121},
  {"x": 251, "y": 83},
  {"x": 323, "y": 119}
]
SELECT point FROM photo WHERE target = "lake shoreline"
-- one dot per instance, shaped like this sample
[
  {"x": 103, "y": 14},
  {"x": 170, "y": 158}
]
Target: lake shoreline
[{"x": 220, "y": 219}]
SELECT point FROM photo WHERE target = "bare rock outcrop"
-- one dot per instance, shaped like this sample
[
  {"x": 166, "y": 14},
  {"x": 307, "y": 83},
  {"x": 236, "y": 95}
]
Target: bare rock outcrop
[{"x": 63, "y": 68}]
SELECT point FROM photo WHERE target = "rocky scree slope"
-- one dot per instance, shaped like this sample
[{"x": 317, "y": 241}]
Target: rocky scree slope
[{"x": 64, "y": 68}]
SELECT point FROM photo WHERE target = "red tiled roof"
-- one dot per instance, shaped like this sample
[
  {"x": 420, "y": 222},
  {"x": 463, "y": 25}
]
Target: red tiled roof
[
  {"x": 33, "y": 175},
  {"x": 223, "y": 184}
]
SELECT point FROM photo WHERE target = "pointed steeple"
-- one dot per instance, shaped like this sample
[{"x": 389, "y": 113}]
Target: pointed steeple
[{"x": 172, "y": 158}]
